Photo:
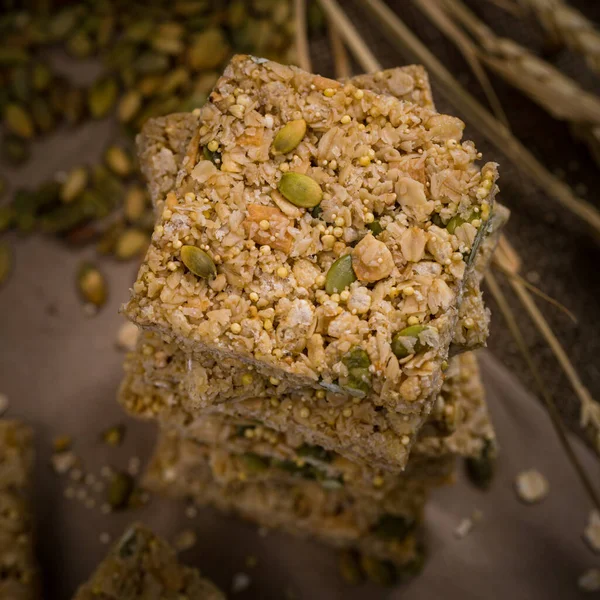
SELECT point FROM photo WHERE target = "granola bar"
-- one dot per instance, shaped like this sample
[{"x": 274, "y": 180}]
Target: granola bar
[
  {"x": 286, "y": 324},
  {"x": 141, "y": 565},
  {"x": 357, "y": 430},
  {"x": 179, "y": 469},
  {"x": 19, "y": 578}
]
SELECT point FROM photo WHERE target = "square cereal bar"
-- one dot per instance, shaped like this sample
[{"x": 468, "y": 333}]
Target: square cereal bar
[
  {"x": 19, "y": 576},
  {"x": 372, "y": 163},
  {"x": 141, "y": 566},
  {"x": 179, "y": 469}
]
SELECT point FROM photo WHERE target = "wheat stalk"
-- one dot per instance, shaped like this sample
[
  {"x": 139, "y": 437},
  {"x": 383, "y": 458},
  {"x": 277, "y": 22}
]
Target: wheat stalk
[
  {"x": 589, "y": 408},
  {"x": 474, "y": 112},
  {"x": 558, "y": 94},
  {"x": 302, "y": 50},
  {"x": 566, "y": 26}
]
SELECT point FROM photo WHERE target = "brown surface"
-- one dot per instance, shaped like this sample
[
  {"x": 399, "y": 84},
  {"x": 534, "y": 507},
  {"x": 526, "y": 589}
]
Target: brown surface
[{"x": 60, "y": 371}]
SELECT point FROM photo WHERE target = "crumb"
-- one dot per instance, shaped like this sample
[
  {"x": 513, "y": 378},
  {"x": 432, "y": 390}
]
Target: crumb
[
  {"x": 185, "y": 540},
  {"x": 263, "y": 531},
  {"x": 62, "y": 442},
  {"x": 133, "y": 467},
  {"x": 589, "y": 581},
  {"x": 114, "y": 436},
  {"x": 464, "y": 528},
  {"x": 63, "y": 462},
  {"x": 240, "y": 582},
  {"x": 531, "y": 486},
  {"x": 191, "y": 511},
  {"x": 104, "y": 538},
  {"x": 90, "y": 310},
  {"x": 127, "y": 337},
  {"x": 591, "y": 533}
]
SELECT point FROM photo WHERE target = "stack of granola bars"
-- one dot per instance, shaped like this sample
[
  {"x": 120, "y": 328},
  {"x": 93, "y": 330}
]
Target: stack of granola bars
[{"x": 310, "y": 302}]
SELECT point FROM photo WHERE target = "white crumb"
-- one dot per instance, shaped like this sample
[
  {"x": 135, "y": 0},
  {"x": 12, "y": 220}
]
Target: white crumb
[
  {"x": 531, "y": 486},
  {"x": 127, "y": 336},
  {"x": 62, "y": 462},
  {"x": 464, "y": 528},
  {"x": 240, "y": 582},
  {"x": 589, "y": 581}
]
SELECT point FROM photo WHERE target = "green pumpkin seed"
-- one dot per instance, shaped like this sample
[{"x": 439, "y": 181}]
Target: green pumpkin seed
[
  {"x": 207, "y": 50},
  {"x": 349, "y": 566},
  {"x": 132, "y": 242},
  {"x": 481, "y": 469},
  {"x": 394, "y": 527},
  {"x": 300, "y": 190},
  {"x": 91, "y": 285},
  {"x": 254, "y": 463},
  {"x": 15, "y": 150},
  {"x": 375, "y": 227},
  {"x": 80, "y": 45},
  {"x": 168, "y": 45},
  {"x": 288, "y": 137},
  {"x": 198, "y": 262},
  {"x": 340, "y": 275},
  {"x": 128, "y": 543},
  {"x": 214, "y": 157},
  {"x": 41, "y": 76},
  {"x": 378, "y": 571},
  {"x": 399, "y": 347},
  {"x": 135, "y": 203},
  {"x": 42, "y": 114},
  {"x": 151, "y": 63},
  {"x": 118, "y": 161},
  {"x": 129, "y": 105},
  {"x": 356, "y": 358},
  {"x": 74, "y": 184},
  {"x": 5, "y": 262},
  {"x": 19, "y": 121},
  {"x": 457, "y": 221},
  {"x": 101, "y": 97},
  {"x": 315, "y": 452},
  {"x": 119, "y": 491}
]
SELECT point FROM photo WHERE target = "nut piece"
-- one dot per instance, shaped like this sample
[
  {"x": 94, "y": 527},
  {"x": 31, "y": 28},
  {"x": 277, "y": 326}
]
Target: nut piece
[
  {"x": 278, "y": 225},
  {"x": 406, "y": 341},
  {"x": 91, "y": 284},
  {"x": 300, "y": 190},
  {"x": 198, "y": 262},
  {"x": 340, "y": 275},
  {"x": 531, "y": 486},
  {"x": 371, "y": 259},
  {"x": 288, "y": 137}
]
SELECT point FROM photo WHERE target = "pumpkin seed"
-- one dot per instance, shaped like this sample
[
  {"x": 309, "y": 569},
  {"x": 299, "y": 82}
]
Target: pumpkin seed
[
  {"x": 130, "y": 243},
  {"x": 254, "y": 463},
  {"x": 41, "y": 76},
  {"x": 394, "y": 527},
  {"x": 80, "y": 45},
  {"x": 74, "y": 184},
  {"x": 19, "y": 121},
  {"x": 118, "y": 161},
  {"x": 101, "y": 97},
  {"x": 348, "y": 563},
  {"x": 5, "y": 262},
  {"x": 288, "y": 137},
  {"x": 378, "y": 571},
  {"x": 198, "y": 262},
  {"x": 135, "y": 203},
  {"x": 149, "y": 85},
  {"x": 15, "y": 150},
  {"x": 207, "y": 50},
  {"x": 316, "y": 452},
  {"x": 375, "y": 227},
  {"x": 167, "y": 45},
  {"x": 356, "y": 357},
  {"x": 128, "y": 543},
  {"x": 481, "y": 469},
  {"x": 174, "y": 80},
  {"x": 120, "y": 489},
  {"x": 151, "y": 62},
  {"x": 129, "y": 105},
  {"x": 300, "y": 190},
  {"x": 457, "y": 221},
  {"x": 42, "y": 114},
  {"x": 340, "y": 275},
  {"x": 91, "y": 284},
  {"x": 214, "y": 157},
  {"x": 399, "y": 346}
]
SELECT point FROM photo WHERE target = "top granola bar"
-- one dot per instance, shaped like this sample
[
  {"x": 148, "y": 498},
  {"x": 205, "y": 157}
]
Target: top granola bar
[{"x": 321, "y": 296}]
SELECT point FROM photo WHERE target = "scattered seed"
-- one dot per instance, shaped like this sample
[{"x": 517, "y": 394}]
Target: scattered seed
[
  {"x": 118, "y": 161},
  {"x": 120, "y": 489},
  {"x": 589, "y": 581},
  {"x": 207, "y": 50},
  {"x": 301, "y": 190},
  {"x": 135, "y": 203},
  {"x": 185, "y": 540},
  {"x": 74, "y": 184},
  {"x": 191, "y": 512},
  {"x": 129, "y": 105},
  {"x": 101, "y": 97},
  {"x": 463, "y": 528},
  {"x": 132, "y": 242},
  {"x": 104, "y": 538},
  {"x": 18, "y": 120},
  {"x": 531, "y": 486},
  {"x": 240, "y": 582},
  {"x": 91, "y": 285},
  {"x": 113, "y": 436}
]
